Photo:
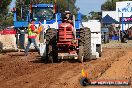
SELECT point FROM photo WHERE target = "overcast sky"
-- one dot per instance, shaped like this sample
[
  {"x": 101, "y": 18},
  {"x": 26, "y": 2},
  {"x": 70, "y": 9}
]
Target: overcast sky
[{"x": 87, "y": 6}]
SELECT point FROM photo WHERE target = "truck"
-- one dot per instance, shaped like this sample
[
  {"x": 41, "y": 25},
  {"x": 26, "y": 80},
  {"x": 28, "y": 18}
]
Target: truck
[{"x": 39, "y": 12}]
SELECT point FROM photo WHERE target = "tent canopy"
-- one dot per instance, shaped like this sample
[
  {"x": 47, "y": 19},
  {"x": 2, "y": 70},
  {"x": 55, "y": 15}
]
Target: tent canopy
[{"x": 108, "y": 20}]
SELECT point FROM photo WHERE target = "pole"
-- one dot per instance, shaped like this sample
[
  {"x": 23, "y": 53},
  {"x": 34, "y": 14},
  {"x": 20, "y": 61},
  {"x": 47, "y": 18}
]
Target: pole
[
  {"x": 122, "y": 23},
  {"x": 119, "y": 27},
  {"x": 112, "y": 5},
  {"x": 21, "y": 10},
  {"x": 55, "y": 7},
  {"x": 51, "y": 2},
  {"x": 68, "y": 6},
  {"x": 122, "y": 29}
]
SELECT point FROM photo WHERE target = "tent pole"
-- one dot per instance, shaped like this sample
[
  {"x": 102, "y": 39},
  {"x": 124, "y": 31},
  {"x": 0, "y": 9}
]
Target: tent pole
[
  {"x": 122, "y": 23},
  {"x": 119, "y": 27},
  {"x": 119, "y": 33},
  {"x": 122, "y": 28}
]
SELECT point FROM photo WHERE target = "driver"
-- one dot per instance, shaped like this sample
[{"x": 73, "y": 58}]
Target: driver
[{"x": 68, "y": 17}]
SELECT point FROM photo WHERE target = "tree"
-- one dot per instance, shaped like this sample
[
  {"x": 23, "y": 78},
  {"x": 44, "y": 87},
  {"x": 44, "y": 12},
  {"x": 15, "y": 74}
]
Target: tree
[
  {"x": 84, "y": 18},
  {"x": 95, "y": 15},
  {"x": 4, "y": 7},
  {"x": 110, "y": 5}
]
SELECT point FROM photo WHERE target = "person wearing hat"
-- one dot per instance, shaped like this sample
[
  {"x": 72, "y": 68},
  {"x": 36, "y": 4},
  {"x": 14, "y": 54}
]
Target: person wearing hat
[
  {"x": 32, "y": 33},
  {"x": 68, "y": 17}
]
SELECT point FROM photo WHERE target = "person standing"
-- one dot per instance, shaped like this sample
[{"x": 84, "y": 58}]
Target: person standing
[
  {"x": 42, "y": 40},
  {"x": 41, "y": 32},
  {"x": 32, "y": 33}
]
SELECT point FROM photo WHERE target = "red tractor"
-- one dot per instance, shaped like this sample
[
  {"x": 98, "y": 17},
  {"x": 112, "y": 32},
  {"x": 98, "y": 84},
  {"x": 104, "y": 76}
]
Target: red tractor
[
  {"x": 63, "y": 44},
  {"x": 67, "y": 43}
]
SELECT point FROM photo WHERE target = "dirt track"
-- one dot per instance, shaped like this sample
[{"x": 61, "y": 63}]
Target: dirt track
[{"x": 18, "y": 71}]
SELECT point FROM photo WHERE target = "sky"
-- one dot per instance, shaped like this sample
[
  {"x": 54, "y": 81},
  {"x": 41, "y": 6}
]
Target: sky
[
  {"x": 12, "y": 4},
  {"x": 87, "y": 6}
]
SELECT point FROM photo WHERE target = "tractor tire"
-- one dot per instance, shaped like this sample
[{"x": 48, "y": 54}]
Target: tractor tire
[
  {"x": 51, "y": 45},
  {"x": 85, "y": 40},
  {"x": 81, "y": 53},
  {"x": 82, "y": 41},
  {"x": 49, "y": 54},
  {"x": 98, "y": 49}
]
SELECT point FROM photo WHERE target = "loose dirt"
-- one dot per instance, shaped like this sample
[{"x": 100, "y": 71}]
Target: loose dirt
[{"x": 19, "y": 71}]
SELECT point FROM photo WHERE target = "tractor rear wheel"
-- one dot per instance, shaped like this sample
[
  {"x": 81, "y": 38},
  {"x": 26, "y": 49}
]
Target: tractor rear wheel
[
  {"x": 51, "y": 45},
  {"x": 85, "y": 40}
]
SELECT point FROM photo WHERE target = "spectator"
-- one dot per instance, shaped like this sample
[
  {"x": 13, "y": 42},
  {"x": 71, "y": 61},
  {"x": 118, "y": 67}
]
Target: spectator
[{"x": 32, "y": 33}]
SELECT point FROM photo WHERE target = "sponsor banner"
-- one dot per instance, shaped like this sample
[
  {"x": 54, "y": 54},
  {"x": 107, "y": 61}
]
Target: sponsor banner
[
  {"x": 126, "y": 19},
  {"x": 124, "y": 7},
  {"x": 8, "y": 32}
]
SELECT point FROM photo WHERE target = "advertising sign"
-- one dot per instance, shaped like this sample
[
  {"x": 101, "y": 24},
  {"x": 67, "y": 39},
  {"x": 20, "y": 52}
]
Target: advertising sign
[
  {"x": 124, "y": 7},
  {"x": 126, "y": 19}
]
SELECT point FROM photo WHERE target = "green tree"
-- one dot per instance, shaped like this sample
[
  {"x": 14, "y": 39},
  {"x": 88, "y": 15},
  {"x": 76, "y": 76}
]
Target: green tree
[
  {"x": 8, "y": 21},
  {"x": 84, "y": 18},
  {"x": 110, "y": 5},
  {"x": 4, "y": 7},
  {"x": 4, "y": 10},
  {"x": 95, "y": 15}
]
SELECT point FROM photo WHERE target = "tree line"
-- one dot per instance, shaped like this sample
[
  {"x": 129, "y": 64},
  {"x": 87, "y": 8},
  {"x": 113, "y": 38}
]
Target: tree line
[{"x": 62, "y": 5}]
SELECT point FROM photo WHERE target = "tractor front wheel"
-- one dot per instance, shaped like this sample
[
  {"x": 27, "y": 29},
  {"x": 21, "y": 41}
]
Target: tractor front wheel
[{"x": 51, "y": 45}]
